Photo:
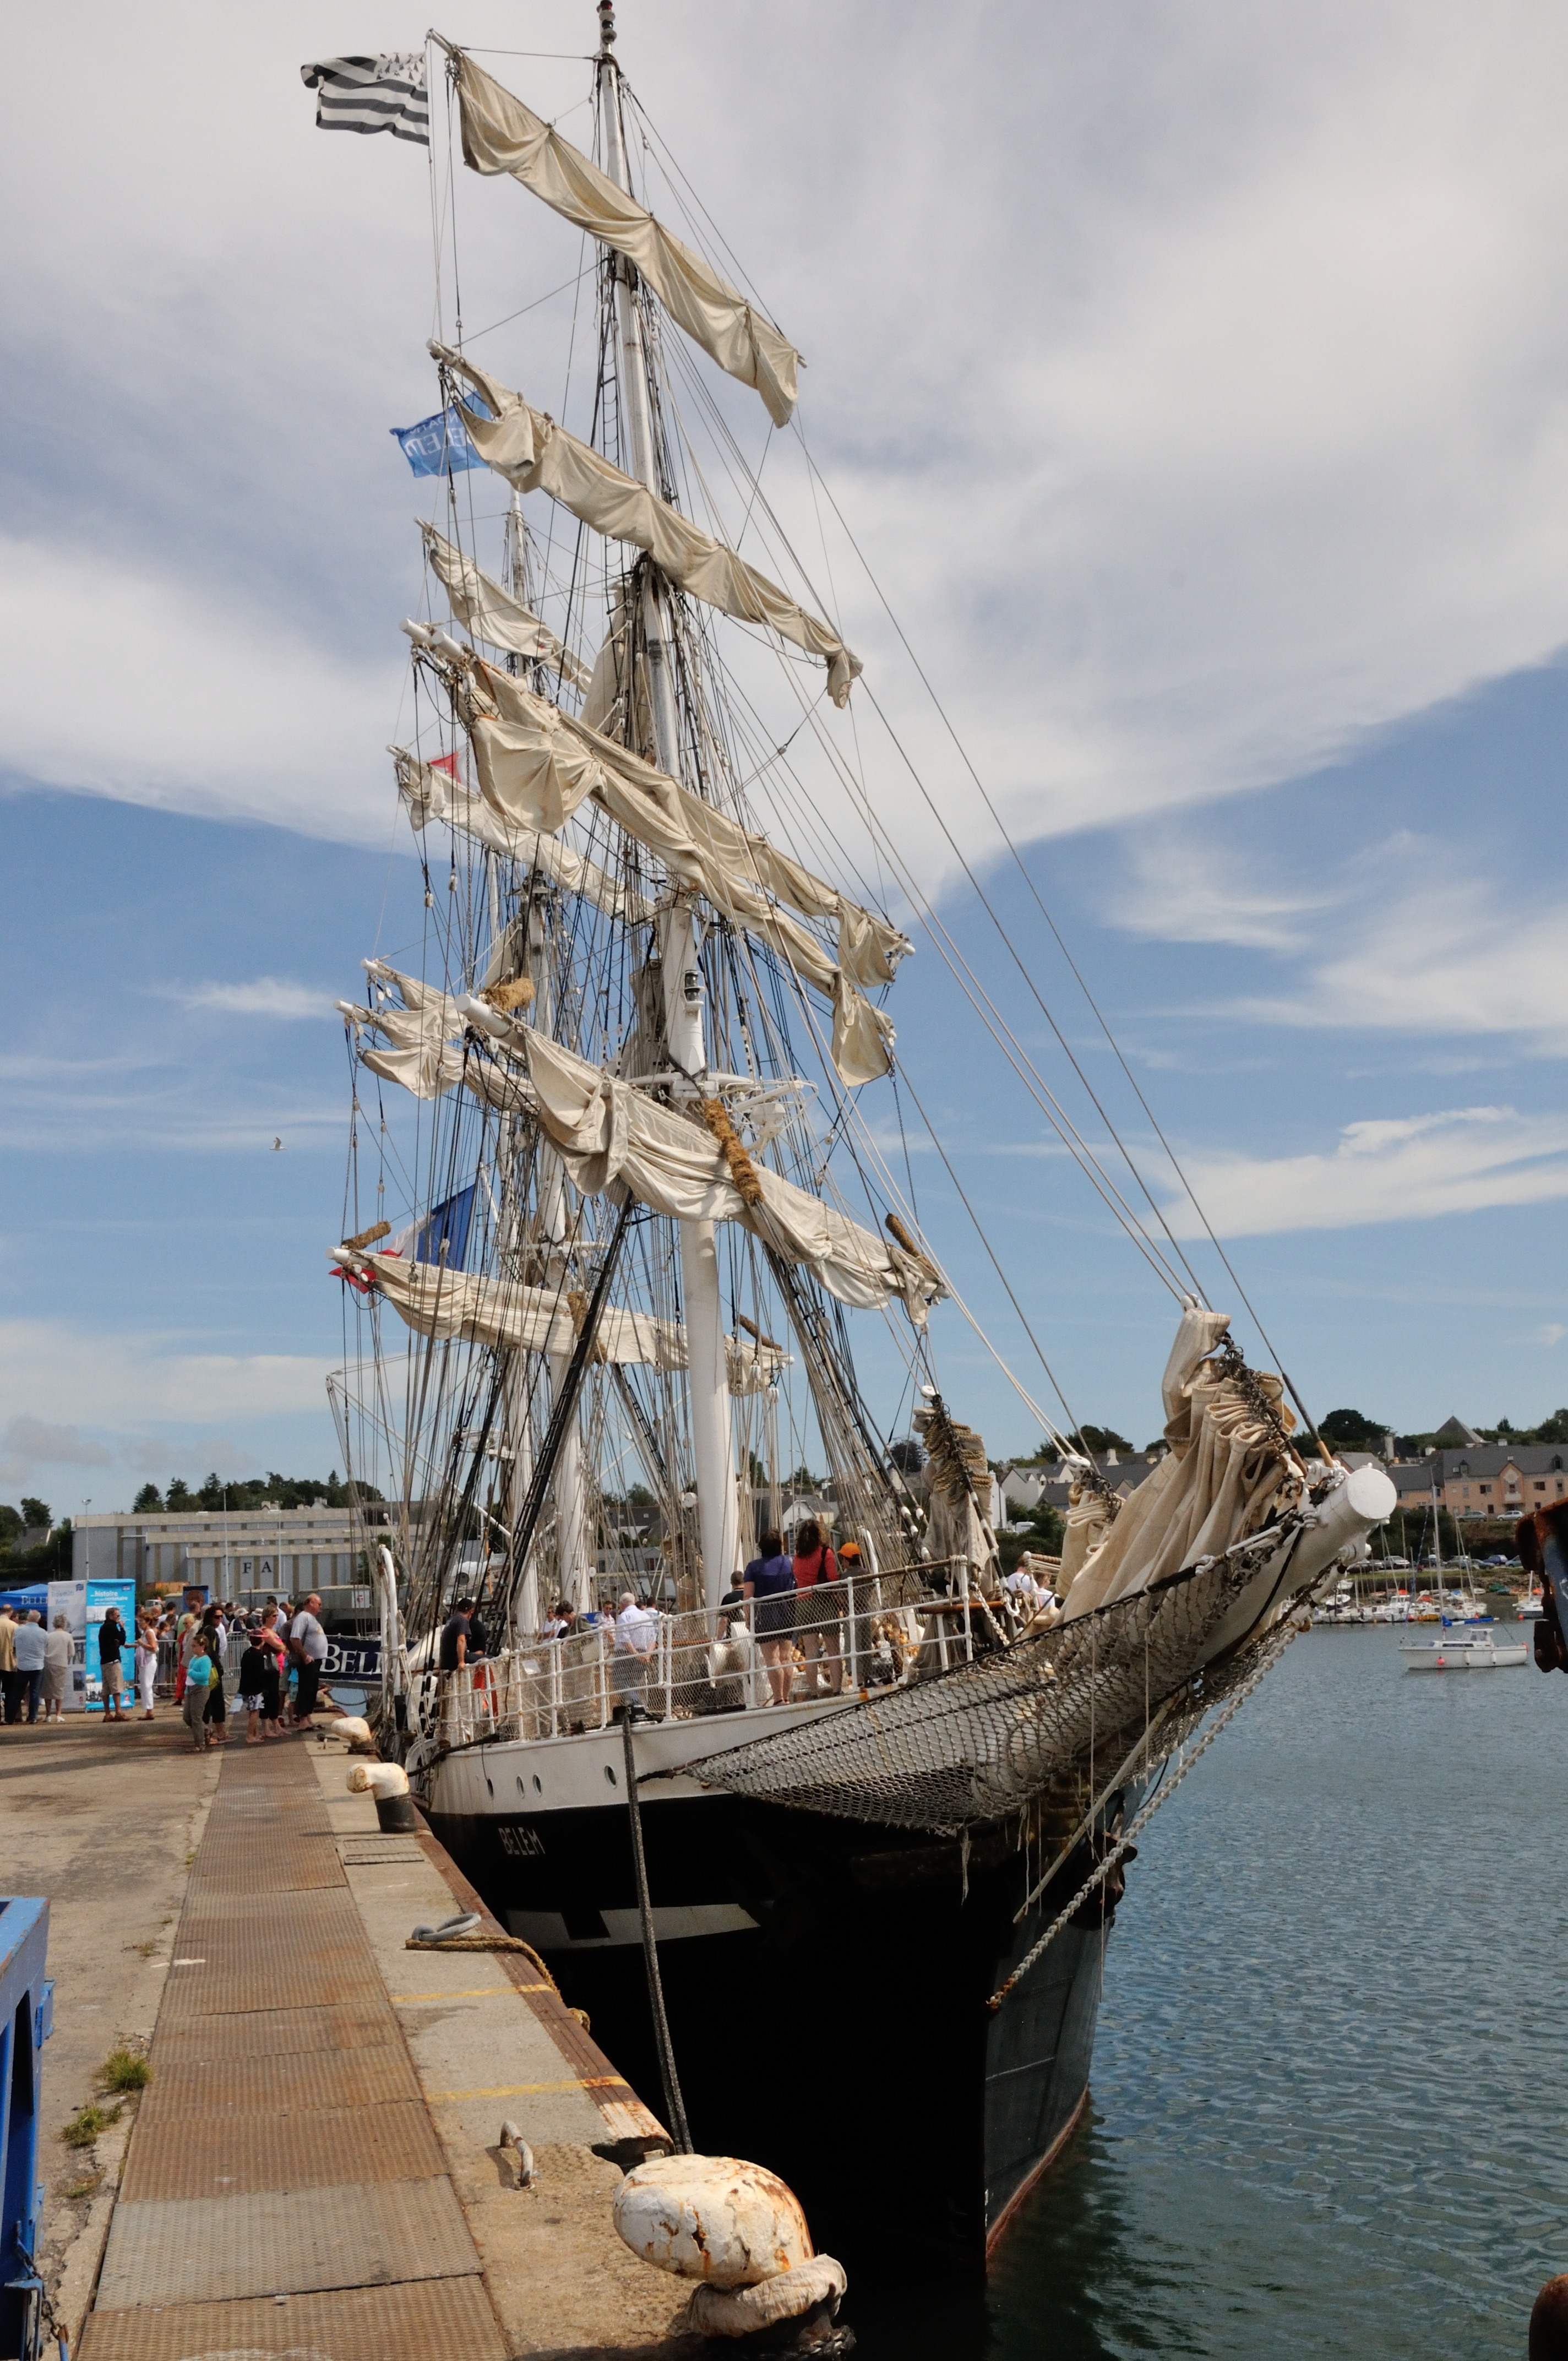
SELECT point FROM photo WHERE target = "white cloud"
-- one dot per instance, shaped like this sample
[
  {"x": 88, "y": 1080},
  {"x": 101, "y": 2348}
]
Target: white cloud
[
  {"x": 1204, "y": 410},
  {"x": 1190, "y": 888},
  {"x": 269, "y": 996},
  {"x": 51, "y": 1372},
  {"x": 198, "y": 704},
  {"x": 1409, "y": 1168},
  {"x": 1446, "y": 953},
  {"x": 1550, "y": 1331}
]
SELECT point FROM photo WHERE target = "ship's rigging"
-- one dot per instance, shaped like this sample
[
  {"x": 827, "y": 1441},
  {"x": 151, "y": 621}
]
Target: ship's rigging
[{"x": 639, "y": 1036}]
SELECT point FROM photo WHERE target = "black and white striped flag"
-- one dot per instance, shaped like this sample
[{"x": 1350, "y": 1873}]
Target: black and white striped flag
[{"x": 372, "y": 94}]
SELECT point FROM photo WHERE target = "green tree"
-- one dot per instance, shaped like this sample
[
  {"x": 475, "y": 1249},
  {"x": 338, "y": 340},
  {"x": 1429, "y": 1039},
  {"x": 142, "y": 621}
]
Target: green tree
[
  {"x": 1103, "y": 1438},
  {"x": 148, "y": 1501},
  {"x": 35, "y": 1512},
  {"x": 1350, "y": 1431},
  {"x": 10, "y": 1526}
]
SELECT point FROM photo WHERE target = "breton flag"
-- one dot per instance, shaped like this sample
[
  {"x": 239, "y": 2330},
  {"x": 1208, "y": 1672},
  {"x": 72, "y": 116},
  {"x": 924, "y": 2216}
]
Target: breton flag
[{"x": 372, "y": 94}]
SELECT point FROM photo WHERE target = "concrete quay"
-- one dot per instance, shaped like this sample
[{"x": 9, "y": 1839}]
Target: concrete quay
[{"x": 315, "y": 2165}]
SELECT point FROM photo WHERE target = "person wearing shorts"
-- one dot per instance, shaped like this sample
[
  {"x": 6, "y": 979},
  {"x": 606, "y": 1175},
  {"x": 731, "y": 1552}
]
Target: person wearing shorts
[
  {"x": 111, "y": 1639},
  {"x": 252, "y": 1700},
  {"x": 816, "y": 1617},
  {"x": 769, "y": 1583}
]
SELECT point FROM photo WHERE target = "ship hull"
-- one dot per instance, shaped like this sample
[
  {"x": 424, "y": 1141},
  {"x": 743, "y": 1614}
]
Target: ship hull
[{"x": 826, "y": 1984}]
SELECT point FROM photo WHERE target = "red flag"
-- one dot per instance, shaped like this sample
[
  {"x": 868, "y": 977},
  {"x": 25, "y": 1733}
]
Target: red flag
[{"x": 447, "y": 762}]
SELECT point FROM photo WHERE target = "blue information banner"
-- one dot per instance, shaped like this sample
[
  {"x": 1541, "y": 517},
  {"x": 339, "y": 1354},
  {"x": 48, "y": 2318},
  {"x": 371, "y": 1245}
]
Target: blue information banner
[{"x": 101, "y": 1597}]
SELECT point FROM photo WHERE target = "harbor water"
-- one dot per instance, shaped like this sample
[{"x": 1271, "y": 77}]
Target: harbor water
[{"x": 1327, "y": 2107}]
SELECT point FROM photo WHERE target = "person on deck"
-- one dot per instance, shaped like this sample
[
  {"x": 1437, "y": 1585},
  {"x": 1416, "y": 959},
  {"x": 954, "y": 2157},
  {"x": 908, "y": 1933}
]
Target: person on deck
[
  {"x": 817, "y": 1619},
  {"x": 457, "y": 1647},
  {"x": 636, "y": 1637},
  {"x": 770, "y": 1584}
]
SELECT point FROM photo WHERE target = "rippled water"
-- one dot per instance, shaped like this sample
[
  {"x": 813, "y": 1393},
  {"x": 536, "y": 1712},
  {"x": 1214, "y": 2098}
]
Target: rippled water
[{"x": 1330, "y": 2115}]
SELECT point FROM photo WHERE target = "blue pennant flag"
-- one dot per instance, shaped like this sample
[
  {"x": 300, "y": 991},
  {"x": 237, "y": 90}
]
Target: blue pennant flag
[{"x": 439, "y": 446}]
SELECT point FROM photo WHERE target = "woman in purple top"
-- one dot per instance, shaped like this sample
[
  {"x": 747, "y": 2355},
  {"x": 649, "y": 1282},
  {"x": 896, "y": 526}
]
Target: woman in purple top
[{"x": 770, "y": 1583}]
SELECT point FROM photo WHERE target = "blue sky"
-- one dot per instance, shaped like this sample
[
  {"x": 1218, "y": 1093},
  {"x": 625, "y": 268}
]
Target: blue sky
[{"x": 1206, "y": 411}]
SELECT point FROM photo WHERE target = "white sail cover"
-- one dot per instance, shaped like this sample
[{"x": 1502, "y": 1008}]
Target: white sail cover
[
  {"x": 1225, "y": 1468},
  {"x": 493, "y": 615},
  {"x": 433, "y": 794},
  {"x": 537, "y": 766},
  {"x": 535, "y": 454},
  {"x": 423, "y": 1052},
  {"x": 610, "y": 1134},
  {"x": 452, "y": 1303},
  {"x": 501, "y": 134},
  {"x": 443, "y": 1304}
]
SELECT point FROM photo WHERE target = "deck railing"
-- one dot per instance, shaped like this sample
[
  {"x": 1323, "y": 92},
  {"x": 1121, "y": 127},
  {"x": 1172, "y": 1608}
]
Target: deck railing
[{"x": 841, "y": 1637}]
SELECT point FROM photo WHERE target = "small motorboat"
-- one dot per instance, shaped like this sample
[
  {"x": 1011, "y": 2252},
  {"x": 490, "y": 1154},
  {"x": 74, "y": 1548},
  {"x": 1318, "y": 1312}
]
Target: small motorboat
[{"x": 1463, "y": 1652}]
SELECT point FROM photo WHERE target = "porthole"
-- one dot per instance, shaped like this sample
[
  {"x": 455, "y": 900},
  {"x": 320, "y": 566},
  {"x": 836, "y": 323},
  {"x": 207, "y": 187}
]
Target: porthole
[
  {"x": 488, "y": 1789},
  {"x": 538, "y": 1784},
  {"x": 610, "y": 1774}
]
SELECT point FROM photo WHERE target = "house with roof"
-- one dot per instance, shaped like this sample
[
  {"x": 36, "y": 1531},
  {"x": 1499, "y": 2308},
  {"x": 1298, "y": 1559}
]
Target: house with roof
[{"x": 1484, "y": 1479}]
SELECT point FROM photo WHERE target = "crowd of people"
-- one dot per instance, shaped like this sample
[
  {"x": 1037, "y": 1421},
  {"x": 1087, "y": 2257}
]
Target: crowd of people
[{"x": 182, "y": 1653}]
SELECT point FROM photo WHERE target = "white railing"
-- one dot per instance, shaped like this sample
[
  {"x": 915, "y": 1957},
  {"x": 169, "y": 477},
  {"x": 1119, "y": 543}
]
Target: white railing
[{"x": 843, "y": 1640}]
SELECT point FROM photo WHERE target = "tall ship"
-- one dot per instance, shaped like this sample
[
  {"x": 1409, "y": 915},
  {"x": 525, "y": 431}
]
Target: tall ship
[{"x": 626, "y": 1251}]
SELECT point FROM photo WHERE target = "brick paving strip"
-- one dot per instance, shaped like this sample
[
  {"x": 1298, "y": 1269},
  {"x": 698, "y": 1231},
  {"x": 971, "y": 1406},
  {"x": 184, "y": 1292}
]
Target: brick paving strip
[{"x": 312, "y": 2169}]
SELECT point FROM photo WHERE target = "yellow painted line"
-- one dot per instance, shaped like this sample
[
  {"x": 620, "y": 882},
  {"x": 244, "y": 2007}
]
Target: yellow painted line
[
  {"x": 526, "y": 2089},
  {"x": 469, "y": 1991}
]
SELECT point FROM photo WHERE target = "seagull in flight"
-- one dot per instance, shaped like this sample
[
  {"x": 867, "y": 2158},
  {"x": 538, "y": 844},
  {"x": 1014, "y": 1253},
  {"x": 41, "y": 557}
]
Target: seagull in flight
[{"x": 276, "y": 1144}]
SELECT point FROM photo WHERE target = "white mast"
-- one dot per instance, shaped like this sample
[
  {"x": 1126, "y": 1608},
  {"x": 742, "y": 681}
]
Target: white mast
[{"x": 713, "y": 1438}]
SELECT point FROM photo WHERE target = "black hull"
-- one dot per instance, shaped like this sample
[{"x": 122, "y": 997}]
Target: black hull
[{"x": 843, "y": 2037}]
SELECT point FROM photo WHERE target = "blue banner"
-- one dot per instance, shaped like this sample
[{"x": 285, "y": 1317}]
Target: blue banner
[
  {"x": 439, "y": 446},
  {"x": 349, "y": 1659},
  {"x": 443, "y": 1236},
  {"x": 101, "y": 1597}
]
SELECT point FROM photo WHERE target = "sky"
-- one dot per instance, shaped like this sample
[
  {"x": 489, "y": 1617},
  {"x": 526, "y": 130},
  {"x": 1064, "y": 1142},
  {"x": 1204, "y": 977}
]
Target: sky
[{"x": 1193, "y": 382}]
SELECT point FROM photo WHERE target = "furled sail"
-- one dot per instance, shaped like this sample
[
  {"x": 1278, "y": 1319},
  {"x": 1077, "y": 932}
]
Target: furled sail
[
  {"x": 535, "y": 454},
  {"x": 433, "y": 795},
  {"x": 508, "y": 1316},
  {"x": 446, "y": 1303},
  {"x": 501, "y": 134},
  {"x": 493, "y": 615},
  {"x": 422, "y": 1039},
  {"x": 1230, "y": 1463},
  {"x": 537, "y": 766},
  {"x": 610, "y": 1133},
  {"x": 547, "y": 761}
]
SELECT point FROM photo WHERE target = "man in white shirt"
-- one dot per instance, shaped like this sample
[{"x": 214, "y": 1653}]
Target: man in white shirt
[
  {"x": 307, "y": 1645},
  {"x": 636, "y": 1637}
]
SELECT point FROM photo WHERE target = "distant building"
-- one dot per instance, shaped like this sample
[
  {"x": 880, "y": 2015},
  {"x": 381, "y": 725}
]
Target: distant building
[
  {"x": 242, "y": 1555},
  {"x": 1484, "y": 1479},
  {"x": 1046, "y": 1487}
]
